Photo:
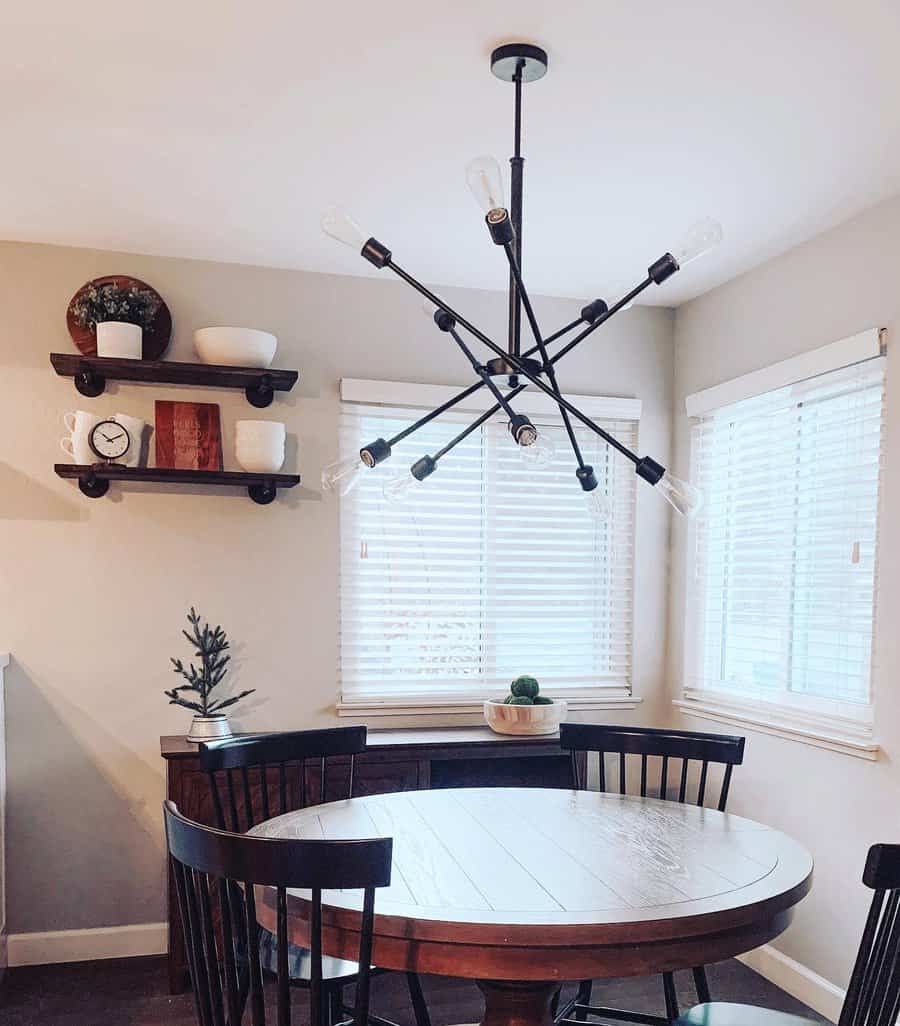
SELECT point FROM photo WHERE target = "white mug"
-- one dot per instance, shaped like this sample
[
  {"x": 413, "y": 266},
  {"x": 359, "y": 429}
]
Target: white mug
[
  {"x": 79, "y": 424},
  {"x": 259, "y": 445},
  {"x": 135, "y": 428}
]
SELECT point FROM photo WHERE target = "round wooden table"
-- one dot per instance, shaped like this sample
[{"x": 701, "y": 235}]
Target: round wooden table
[{"x": 522, "y": 888}]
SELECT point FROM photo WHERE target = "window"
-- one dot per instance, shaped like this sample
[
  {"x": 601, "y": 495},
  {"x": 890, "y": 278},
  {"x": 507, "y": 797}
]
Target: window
[
  {"x": 493, "y": 569},
  {"x": 784, "y": 556}
]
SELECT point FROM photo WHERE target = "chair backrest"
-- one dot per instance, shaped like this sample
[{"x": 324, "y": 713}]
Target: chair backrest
[
  {"x": 873, "y": 996},
  {"x": 215, "y": 872},
  {"x": 686, "y": 745},
  {"x": 244, "y": 803}
]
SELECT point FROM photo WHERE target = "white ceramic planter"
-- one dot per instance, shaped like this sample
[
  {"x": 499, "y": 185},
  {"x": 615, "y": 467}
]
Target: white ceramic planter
[
  {"x": 116, "y": 338},
  {"x": 524, "y": 719},
  {"x": 259, "y": 445},
  {"x": 209, "y": 728}
]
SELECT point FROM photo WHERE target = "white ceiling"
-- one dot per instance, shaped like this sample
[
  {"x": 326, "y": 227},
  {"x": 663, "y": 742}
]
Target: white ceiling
[{"x": 221, "y": 130}]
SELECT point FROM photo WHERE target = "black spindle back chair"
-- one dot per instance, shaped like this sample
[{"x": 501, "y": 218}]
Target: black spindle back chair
[
  {"x": 873, "y": 995},
  {"x": 215, "y": 869},
  {"x": 279, "y": 770},
  {"x": 681, "y": 748},
  {"x": 235, "y": 765}
]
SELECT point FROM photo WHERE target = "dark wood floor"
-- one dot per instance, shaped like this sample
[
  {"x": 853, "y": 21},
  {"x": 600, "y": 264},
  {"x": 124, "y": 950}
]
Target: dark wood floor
[{"x": 133, "y": 993}]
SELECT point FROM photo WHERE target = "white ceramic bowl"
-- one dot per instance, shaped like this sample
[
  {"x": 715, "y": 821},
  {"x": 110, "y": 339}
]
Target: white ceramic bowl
[
  {"x": 235, "y": 347},
  {"x": 524, "y": 719}
]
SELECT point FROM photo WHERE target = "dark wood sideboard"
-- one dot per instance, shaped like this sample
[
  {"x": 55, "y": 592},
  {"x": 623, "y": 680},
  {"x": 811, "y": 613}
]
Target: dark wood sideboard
[{"x": 396, "y": 760}]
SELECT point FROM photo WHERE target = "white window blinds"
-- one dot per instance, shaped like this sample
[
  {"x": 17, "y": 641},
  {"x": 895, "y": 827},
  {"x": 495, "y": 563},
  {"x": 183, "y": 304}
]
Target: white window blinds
[
  {"x": 784, "y": 576},
  {"x": 494, "y": 569}
]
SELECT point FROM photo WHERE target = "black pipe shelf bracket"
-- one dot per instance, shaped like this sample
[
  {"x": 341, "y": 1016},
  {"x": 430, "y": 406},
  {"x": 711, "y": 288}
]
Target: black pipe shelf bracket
[
  {"x": 90, "y": 374},
  {"x": 93, "y": 479}
]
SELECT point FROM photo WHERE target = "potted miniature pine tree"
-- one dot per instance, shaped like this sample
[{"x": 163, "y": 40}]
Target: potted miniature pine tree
[{"x": 210, "y": 645}]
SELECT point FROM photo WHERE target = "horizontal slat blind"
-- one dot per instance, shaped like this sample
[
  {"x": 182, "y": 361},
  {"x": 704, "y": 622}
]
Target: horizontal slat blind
[
  {"x": 786, "y": 545},
  {"x": 492, "y": 570}
]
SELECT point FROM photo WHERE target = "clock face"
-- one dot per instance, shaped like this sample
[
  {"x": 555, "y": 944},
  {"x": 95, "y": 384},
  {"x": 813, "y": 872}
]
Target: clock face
[{"x": 109, "y": 440}]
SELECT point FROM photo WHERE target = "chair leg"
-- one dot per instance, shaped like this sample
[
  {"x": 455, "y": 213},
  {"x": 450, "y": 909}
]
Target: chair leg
[
  {"x": 420, "y": 1008},
  {"x": 333, "y": 1006},
  {"x": 583, "y": 998},
  {"x": 554, "y": 1004},
  {"x": 671, "y": 997},
  {"x": 702, "y": 985}
]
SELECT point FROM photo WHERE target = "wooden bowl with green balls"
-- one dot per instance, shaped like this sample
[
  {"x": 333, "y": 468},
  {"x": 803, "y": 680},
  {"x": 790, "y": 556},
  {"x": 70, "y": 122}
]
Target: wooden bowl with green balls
[{"x": 525, "y": 710}]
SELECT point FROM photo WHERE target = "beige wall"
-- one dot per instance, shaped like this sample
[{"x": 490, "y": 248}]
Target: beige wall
[
  {"x": 832, "y": 287},
  {"x": 93, "y": 592}
]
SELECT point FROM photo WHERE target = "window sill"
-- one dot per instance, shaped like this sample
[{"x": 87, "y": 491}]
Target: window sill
[
  {"x": 468, "y": 707},
  {"x": 781, "y": 723}
]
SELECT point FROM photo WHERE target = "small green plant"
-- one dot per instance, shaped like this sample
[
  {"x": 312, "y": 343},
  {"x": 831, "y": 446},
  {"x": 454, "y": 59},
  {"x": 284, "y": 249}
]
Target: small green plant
[
  {"x": 525, "y": 690},
  {"x": 209, "y": 645},
  {"x": 110, "y": 302}
]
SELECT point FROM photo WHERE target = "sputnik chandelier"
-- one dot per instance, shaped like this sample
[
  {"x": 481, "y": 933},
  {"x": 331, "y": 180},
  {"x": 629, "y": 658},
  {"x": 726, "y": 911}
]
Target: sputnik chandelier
[{"x": 517, "y": 63}]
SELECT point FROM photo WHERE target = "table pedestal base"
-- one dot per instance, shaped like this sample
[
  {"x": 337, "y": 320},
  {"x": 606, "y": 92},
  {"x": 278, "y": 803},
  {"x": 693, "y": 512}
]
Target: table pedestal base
[{"x": 508, "y": 1003}]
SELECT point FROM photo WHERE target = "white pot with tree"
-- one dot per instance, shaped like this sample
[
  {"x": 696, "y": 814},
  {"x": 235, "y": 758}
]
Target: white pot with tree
[
  {"x": 118, "y": 316},
  {"x": 210, "y": 644}
]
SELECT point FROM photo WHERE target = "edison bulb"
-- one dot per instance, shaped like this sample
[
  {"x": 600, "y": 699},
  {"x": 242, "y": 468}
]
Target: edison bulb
[
  {"x": 398, "y": 489},
  {"x": 598, "y": 506},
  {"x": 700, "y": 238},
  {"x": 541, "y": 453},
  {"x": 485, "y": 183},
  {"x": 337, "y": 223},
  {"x": 681, "y": 495},
  {"x": 342, "y": 476}
]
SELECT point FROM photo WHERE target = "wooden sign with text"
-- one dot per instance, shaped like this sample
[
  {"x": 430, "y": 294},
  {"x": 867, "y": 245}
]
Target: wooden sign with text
[{"x": 188, "y": 436}]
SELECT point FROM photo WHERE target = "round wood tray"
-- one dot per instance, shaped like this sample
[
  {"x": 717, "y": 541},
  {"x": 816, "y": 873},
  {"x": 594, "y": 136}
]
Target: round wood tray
[{"x": 156, "y": 341}]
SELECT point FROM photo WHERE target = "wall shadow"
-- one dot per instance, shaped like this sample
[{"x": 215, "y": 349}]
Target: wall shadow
[
  {"x": 85, "y": 845},
  {"x": 23, "y": 498}
]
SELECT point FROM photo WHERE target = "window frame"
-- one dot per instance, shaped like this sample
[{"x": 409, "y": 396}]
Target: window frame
[
  {"x": 419, "y": 398},
  {"x": 842, "y": 726}
]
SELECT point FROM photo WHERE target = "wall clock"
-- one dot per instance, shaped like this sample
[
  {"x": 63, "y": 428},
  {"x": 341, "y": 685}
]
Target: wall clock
[{"x": 109, "y": 440}]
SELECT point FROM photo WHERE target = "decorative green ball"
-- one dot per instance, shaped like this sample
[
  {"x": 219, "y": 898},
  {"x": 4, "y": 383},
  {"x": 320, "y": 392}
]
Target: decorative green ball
[
  {"x": 508, "y": 699},
  {"x": 521, "y": 700},
  {"x": 542, "y": 700},
  {"x": 525, "y": 686}
]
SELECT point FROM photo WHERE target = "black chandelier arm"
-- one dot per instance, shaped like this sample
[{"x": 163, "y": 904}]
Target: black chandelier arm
[
  {"x": 539, "y": 342},
  {"x": 516, "y": 362},
  {"x": 476, "y": 424},
  {"x": 602, "y": 319},
  {"x": 406, "y": 432},
  {"x": 559, "y": 334},
  {"x": 438, "y": 302},
  {"x": 482, "y": 373}
]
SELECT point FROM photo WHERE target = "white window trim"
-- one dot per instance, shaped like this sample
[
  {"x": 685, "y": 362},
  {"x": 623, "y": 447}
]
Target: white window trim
[
  {"x": 849, "y": 732},
  {"x": 372, "y": 392},
  {"x": 845, "y": 736},
  {"x": 467, "y": 707},
  {"x": 864, "y": 346}
]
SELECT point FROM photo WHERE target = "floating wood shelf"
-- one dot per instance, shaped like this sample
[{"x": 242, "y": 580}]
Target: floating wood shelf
[
  {"x": 94, "y": 479},
  {"x": 90, "y": 374}
]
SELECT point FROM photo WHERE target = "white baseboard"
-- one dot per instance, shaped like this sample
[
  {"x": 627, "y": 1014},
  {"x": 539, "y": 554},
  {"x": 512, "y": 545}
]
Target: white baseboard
[
  {"x": 87, "y": 945},
  {"x": 820, "y": 994}
]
